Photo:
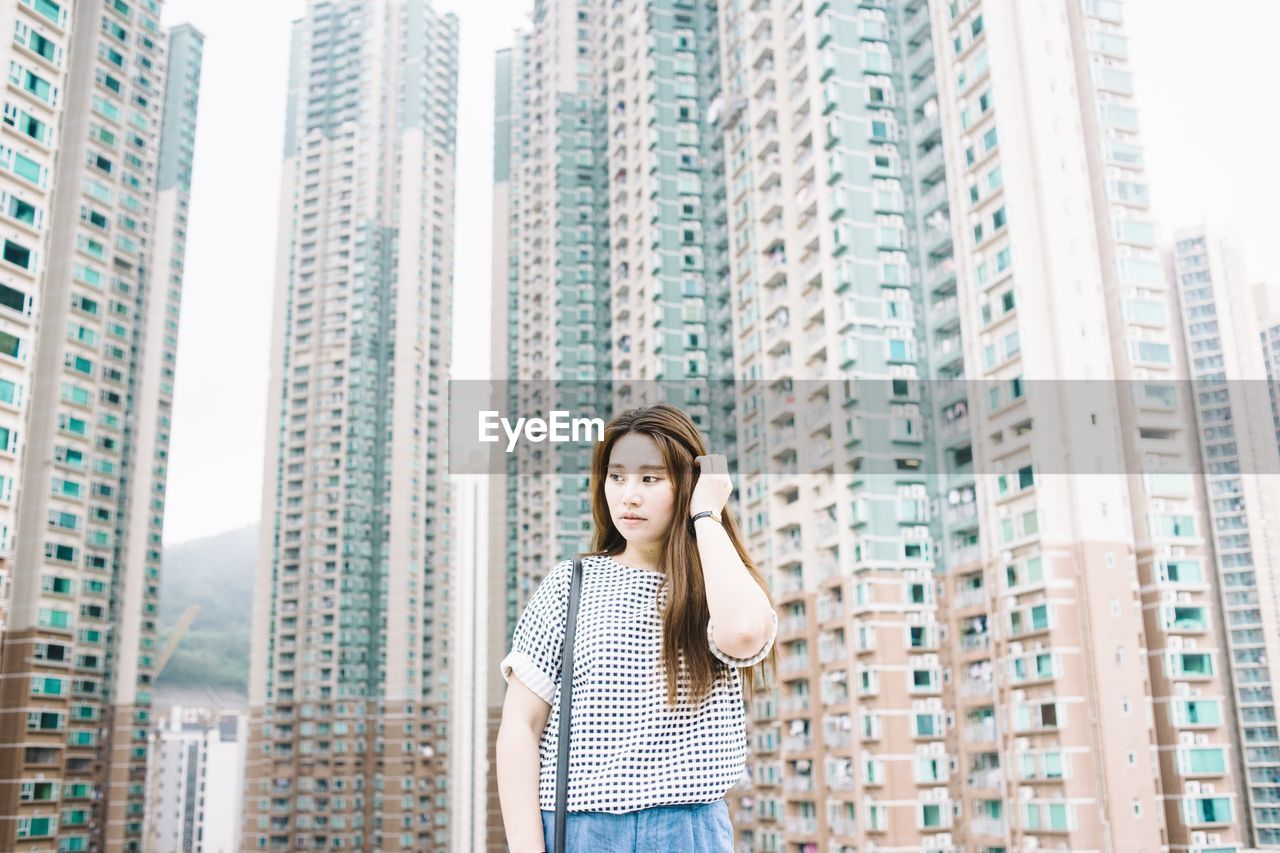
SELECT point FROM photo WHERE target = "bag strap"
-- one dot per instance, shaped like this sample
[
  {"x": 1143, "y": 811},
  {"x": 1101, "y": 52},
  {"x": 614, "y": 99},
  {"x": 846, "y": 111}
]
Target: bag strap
[{"x": 566, "y": 707}]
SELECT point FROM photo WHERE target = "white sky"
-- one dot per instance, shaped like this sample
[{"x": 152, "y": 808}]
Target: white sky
[{"x": 1203, "y": 85}]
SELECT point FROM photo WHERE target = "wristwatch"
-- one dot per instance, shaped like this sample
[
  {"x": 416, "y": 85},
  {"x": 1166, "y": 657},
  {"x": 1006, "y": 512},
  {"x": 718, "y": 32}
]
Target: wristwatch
[{"x": 705, "y": 512}]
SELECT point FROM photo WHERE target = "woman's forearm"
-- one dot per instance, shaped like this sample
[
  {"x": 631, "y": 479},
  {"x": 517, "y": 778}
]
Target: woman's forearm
[
  {"x": 518, "y": 767},
  {"x": 740, "y": 612}
]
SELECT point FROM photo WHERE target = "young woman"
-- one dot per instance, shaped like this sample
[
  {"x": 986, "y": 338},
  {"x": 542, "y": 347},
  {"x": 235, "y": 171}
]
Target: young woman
[{"x": 671, "y": 608}]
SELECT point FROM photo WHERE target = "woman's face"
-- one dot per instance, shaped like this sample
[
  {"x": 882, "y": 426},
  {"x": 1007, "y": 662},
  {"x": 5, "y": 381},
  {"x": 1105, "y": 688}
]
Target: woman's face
[{"x": 638, "y": 484}]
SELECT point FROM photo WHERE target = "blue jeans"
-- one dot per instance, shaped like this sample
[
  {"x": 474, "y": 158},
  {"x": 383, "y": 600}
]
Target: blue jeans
[{"x": 700, "y": 827}]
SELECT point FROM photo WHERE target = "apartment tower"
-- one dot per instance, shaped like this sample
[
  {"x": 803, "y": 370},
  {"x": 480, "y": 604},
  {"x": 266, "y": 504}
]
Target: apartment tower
[
  {"x": 966, "y": 458},
  {"x": 1240, "y": 466},
  {"x": 1267, "y": 303},
  {"x": 196, "y": 781},
  {"x": 98, "y": 133},
  {"x": 610, "y": 284},
  {"x": 349, "y": 684}
]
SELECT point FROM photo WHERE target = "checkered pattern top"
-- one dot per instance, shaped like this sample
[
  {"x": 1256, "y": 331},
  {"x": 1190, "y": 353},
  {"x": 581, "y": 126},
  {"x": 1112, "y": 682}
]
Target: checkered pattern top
[{"x": 629, "y": 749}]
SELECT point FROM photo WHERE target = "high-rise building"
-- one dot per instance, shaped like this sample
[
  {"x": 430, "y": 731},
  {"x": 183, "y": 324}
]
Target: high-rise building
[
  {"x": 195, "y": 786},
  {"x": 98, "y": 134},
  {"x": 1240, "y": 463},
  {"x": 473, "y": 726},
  {"x": 1267, "y": 302},
  {"x": 965, "y": 456},
  {"x": 610, "y": 261},
  {"x": 349, "y": 686}
]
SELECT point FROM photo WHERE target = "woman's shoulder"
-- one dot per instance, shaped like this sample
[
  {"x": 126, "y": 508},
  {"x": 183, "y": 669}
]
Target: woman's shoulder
[{"x": 561, "y": 574}]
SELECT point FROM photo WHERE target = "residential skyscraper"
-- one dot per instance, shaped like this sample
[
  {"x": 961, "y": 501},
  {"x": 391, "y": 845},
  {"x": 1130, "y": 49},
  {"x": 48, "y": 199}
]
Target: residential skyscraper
[
  {"x": 610, "y": 260},
  {"x": 967, "y": 456},
  {"x": 349, "y": 686},
  {"x": 99, "y": 132},
  {"x": 1240, "y": 464},
  {"x": 196, "y": 782},
  {"x": 1268, "y": 307}
]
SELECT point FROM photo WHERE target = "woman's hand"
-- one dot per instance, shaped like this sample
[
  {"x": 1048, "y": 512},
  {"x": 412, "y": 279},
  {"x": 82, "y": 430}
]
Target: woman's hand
[{"x": 714, "y": 484}]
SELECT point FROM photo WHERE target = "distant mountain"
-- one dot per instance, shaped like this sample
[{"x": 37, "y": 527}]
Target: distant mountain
[{"x": 217, "y": 574}]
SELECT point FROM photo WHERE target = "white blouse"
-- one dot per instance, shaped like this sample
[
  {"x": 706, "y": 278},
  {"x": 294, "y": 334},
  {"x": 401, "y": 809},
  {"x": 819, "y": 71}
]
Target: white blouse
[{"x": 628, "y": 748}]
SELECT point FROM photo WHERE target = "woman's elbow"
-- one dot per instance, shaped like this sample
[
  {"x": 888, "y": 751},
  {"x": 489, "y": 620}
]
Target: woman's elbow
[{"x": 748, "y": 640}]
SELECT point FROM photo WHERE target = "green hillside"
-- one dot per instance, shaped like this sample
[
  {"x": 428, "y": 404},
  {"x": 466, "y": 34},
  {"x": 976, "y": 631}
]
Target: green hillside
[{"x": 217, "y": 574}]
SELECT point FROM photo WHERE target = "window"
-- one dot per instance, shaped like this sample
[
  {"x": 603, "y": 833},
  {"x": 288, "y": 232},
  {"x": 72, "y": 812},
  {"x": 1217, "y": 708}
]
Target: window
[
  {"x": 1202, "y": 760},
  {"x": 35, "y": 827},
  {"x": 1197, "y": 712},
  {"x": 33, "y": 83},
  {"x": 49, "y": 9},
  {"x": 1198, "y": 810}
]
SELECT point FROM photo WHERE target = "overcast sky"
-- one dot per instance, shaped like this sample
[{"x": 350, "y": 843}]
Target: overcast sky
[{"x": 1203, "y": 89}]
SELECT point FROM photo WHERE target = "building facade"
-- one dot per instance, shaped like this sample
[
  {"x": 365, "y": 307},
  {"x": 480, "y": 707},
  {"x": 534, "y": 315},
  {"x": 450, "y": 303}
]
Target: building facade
[
  {"x": 966, "y": 452},
  {"x": 195, "y": 787},
  {"x": 99, "y": 124},
  {"x": 1240, "y": 462},
  {"x": 349, "y": 676},
  {"x": 610, "y": 271},
  {"x": 1267, "y": 303}
]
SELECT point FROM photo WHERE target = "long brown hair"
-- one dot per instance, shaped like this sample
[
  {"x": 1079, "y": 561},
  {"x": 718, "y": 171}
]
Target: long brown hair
[{"x": 685, "y": 617}]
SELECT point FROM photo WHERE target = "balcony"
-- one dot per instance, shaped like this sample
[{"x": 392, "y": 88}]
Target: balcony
[
  {"x": 827, "y": 569},
  {"x": 798, "y": 784},
  {"x": 829, "y": 610},
  {"x": 987, "y": 779},
  {"x": 792, "y": 625},
  {"x": 946, "y": 350},
  {"x": 960, "y": 514},
  {"x": 790, "y": 545},
  {"x": 796, "y": 704},
  {"x": 930, "y": 166},
  {"x": 831, "y": 652},
  {"x": 940, "y": 274},
  {"x": 802, "y": 825},
  {"x": 916, "y": 23},
  {"x": 837, "y": 740},
  {"x": 933, "y": 198},
  {"x": 980, "y": 732},
  {"x": 971, "y": 597},
  {"x": 988, "y": 827},
  {"x": 916, "y": 55},
  {"x": 794, "y": 665},
  {"x": 928, "y": 128},
  {"x": 937, "y": 241}
]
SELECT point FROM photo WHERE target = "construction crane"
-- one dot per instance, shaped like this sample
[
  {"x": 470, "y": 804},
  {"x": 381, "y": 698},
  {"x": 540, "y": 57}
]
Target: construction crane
[{"x": 175, "y": 636}]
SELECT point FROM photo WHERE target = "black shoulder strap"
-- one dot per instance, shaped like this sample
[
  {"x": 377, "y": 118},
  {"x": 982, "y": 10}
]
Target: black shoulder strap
[{"x": 566, "y": 707}]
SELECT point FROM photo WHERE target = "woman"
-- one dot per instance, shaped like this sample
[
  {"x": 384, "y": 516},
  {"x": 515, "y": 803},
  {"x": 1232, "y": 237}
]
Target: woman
[{"x": 670, "y": 609}]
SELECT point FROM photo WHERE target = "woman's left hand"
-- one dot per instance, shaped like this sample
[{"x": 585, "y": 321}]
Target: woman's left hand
[{"x": 714, "y": 484}]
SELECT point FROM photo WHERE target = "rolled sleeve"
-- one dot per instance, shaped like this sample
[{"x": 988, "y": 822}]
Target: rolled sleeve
[
  {"x": 754, "y": 659},
  {"x": 538, "y": 641}
]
